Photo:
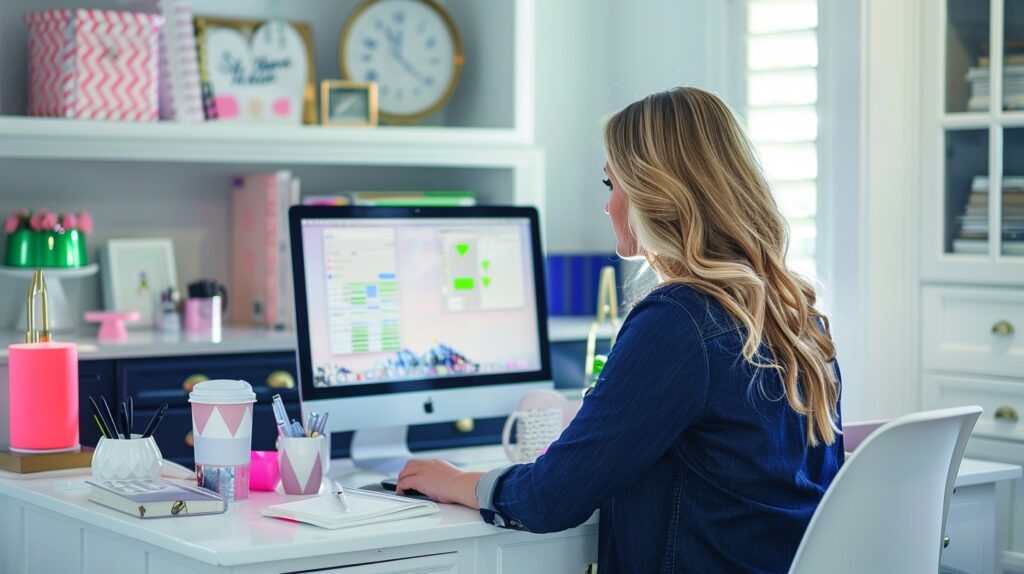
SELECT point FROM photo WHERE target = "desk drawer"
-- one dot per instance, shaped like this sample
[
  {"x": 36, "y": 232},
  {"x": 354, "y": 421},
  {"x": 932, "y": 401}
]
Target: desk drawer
[
  {"x": 974, "y": 330},
  {"x": 1003, "y": 403},
  {"x": 168, "y": 380}
]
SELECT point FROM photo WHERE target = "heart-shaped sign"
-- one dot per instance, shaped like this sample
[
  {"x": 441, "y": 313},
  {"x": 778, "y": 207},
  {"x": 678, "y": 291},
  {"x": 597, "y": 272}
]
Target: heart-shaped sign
[{"x": 259, "y": 79}]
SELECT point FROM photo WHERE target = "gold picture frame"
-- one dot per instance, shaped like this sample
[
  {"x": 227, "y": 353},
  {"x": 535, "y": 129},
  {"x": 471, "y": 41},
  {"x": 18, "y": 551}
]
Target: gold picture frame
[
  {"x": 357, "y": 114},
  {"x": 247, "y": 27}
]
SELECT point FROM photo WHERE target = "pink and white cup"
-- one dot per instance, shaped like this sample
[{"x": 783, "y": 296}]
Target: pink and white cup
[
  {"x": 302, "y": 463},
  {"x": 222, "y": 435}
]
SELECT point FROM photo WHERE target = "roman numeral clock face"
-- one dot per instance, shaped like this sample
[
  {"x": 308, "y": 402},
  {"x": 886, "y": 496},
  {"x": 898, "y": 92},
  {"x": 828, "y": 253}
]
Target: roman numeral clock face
[{"x": 408, "y": 48}]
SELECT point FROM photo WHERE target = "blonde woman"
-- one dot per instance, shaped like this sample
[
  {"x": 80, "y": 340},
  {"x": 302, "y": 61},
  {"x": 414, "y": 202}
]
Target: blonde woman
[{"x": 714, "y": 430}]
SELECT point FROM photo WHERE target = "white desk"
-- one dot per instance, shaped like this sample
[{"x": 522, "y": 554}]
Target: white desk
[{"x": 44, "y": 531}]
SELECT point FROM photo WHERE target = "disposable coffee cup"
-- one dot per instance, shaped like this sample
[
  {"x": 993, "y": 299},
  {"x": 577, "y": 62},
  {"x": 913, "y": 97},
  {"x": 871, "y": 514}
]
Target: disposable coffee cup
[{"x": 222, "y": 436}]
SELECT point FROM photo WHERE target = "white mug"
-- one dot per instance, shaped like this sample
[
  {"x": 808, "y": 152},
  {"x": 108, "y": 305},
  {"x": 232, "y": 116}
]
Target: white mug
[{"x": 536, "y": 429}]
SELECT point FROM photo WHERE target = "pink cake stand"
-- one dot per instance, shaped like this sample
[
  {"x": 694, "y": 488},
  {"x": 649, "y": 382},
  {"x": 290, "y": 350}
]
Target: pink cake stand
[{"x": 112, "y": 329}]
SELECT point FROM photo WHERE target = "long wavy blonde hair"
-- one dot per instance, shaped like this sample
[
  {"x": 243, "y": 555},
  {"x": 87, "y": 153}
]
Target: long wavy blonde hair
[{"x": 704, "y": 216}]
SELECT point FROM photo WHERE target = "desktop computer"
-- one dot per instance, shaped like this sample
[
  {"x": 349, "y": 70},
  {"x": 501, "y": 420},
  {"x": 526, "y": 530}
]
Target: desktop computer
[{"x": 412, "y": 315}]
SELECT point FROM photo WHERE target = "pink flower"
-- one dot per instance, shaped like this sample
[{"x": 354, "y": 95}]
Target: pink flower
[
  {"x": 69, "y": 221},
  {"x": 36, "y": 221},
  {"x": 49, "y": 222},
  {"x": 11, "y": 225},
  {"x": 84, "y": 222}
]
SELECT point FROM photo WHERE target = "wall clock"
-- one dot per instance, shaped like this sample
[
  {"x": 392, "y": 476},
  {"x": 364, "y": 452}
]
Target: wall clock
[{"x": 411, "y": 48}]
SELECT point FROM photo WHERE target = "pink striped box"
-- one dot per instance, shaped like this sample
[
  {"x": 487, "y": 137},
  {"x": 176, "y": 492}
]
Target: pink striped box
[{"x": 94, "y": 64}]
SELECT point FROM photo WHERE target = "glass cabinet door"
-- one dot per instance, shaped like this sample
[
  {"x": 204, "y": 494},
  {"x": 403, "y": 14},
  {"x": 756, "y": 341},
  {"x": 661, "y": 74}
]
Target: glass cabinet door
[
  {"x": 1012, "y": 211},
  {"x": 967, "y": 55},
  {"x": 1013, "y": 55},
  {"x": 967, "y": 192}
]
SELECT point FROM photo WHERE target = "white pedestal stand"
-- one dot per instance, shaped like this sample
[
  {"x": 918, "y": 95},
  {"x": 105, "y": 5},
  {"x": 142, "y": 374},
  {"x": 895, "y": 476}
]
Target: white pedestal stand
[{"x": 59, "y": 313}]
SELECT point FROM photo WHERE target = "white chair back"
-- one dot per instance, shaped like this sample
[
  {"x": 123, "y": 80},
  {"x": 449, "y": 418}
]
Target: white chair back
[{"x": 886, "y": 509}]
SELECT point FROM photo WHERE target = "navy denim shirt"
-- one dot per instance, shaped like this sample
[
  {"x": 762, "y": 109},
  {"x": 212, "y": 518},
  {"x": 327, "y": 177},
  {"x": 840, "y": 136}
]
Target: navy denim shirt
[{"x": 694, "y": 458}]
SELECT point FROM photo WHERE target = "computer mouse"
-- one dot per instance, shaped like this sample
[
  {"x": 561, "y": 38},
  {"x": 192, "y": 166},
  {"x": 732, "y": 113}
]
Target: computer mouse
[{"x": 392, "y": 485}]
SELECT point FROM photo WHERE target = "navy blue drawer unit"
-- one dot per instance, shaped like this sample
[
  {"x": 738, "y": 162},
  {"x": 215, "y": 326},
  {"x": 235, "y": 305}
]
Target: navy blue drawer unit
[{"x": 151, "y": 382}]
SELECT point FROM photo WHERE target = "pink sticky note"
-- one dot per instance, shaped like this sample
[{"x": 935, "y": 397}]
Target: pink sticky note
[
  {"x": 227, "y": 106},
  {"x": 282, "y": 107}
]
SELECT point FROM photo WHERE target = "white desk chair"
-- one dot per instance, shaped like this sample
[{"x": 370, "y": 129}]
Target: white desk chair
[{"x": 886, "y": 509}]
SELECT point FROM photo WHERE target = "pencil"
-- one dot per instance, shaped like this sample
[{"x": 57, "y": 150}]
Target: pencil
[{"x": 98, "y": 418}]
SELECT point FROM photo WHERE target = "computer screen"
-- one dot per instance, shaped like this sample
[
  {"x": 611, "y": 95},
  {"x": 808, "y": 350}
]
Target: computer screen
[{"x": 409, "y": 299}]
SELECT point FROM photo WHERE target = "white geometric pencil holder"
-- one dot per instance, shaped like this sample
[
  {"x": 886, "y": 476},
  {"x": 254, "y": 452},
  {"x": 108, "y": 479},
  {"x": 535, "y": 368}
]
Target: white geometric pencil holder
[
  {"x": 127, "y": 459},
  {"x": 302, "y": 463}
]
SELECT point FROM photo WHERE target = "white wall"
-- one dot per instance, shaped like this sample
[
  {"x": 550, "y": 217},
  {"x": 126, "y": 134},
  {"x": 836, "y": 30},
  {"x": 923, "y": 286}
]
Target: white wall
[{"x": 594, "y": 57}]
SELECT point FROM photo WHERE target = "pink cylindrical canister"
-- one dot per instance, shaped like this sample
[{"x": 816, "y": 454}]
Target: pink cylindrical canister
[
  {"x": 43, "y": 379},
  {"x": 222, "y": 435}
]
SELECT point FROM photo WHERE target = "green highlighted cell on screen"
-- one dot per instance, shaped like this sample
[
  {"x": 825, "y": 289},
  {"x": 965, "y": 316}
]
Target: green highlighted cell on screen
[
  {"x": 462, "y": 248},
  {"x": 486, "y": 281},
  {"x": 464, "y": 283}
]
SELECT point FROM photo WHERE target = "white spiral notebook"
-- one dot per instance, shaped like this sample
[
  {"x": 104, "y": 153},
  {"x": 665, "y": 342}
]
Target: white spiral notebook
[{"x": 365, "y": 507}]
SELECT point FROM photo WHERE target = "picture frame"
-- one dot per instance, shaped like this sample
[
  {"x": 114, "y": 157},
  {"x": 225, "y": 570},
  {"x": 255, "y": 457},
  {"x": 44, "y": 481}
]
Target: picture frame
[
  {"x": 348, "y": 103},
  {"x": 135, "y": 271},
  {"x": 257, "y": 71}
]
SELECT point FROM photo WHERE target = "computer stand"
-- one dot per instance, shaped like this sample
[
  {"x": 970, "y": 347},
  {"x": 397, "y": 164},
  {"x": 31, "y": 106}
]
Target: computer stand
[{"x": 383, "y": 450}]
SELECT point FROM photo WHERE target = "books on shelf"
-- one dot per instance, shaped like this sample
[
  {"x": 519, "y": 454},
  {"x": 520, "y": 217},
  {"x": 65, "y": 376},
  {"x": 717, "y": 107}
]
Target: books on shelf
[
  {"x": 261, "y": 275},
  {"x": 973, "y": 221},
  {"x": 414, "y": 198},
  {"x": 155, "y": 498},
  {"x": 364, "y": 507},
  {"x": 979, "y": 78}
]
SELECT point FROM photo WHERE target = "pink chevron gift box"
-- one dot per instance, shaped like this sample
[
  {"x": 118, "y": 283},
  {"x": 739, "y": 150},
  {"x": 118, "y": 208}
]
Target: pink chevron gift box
[{"x": 94, "y": 64}]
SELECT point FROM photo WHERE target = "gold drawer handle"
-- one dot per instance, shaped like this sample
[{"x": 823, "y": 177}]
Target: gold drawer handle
[
  {"x": 465, "y": 425},
  {"x": 281, "y": 380},
  {"x": 1007, "y": 413},
  {"x": 189, "y": 440},
  {"x": 192, "y": 381},
  {"x": 945, "y": 541},
  {"x": 1002, "y": 327}
]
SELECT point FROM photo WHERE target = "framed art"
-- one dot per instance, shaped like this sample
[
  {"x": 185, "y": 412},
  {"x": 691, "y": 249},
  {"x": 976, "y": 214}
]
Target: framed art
[
  {"x": 257, "y": 71},
  {"x": 135, "y": 271},
  {"x": 345, "y": 103}
]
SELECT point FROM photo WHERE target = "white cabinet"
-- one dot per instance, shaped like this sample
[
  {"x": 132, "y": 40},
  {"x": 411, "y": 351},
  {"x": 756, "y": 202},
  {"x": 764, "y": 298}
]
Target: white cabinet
[{"x": 972, "y": 246}]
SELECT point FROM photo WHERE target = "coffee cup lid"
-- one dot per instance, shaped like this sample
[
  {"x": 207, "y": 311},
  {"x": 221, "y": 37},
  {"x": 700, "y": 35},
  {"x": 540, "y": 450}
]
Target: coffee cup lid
[{"x": 222, "y": 392}]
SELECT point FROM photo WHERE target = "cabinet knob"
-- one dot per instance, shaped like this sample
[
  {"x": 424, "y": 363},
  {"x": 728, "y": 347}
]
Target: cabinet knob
[
  {"x": 1007, "y": 413},
  {"x": 945, "y": 541},
  {"x": 189, "y": 440},
  {"x": 281, "y": 380},
  {"x": 192, "y": 381},
  {"x": 1002, "y": 327}
]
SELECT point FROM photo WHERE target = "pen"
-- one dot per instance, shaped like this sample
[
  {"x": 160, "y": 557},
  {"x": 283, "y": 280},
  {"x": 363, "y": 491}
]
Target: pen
[
  {"x": 114, "y": 431},
  {"x": 98, "y": 417},
  {"x": 124, "y": 420},
  {"x": 341, "y": 495},
  {"x": 322, "y": 422},
  {"x": 311, "y": 424},
  {"x": 280, "y": 416},
  {"x": 297, "y": 428},
  {"x": 131, "y": 416},
  {"x": 155, "y": 421}
]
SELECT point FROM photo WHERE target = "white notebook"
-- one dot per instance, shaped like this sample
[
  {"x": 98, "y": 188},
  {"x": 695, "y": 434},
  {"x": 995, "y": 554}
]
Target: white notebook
[{"x": 365, "y": 507}]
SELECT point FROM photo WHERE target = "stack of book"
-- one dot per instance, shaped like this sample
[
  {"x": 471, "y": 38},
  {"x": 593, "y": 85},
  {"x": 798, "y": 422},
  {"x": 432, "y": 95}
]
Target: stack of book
[
  {"x": 972, "y": 237},
  {"x": 979, "y": 78}
]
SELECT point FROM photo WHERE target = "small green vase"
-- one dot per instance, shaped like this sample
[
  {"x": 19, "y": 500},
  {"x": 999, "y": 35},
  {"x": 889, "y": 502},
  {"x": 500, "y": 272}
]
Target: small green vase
[
  {"x": 46, "y": 252},
  {"x": 21, "y": 249},
  {"x": 69, "y": 249}
]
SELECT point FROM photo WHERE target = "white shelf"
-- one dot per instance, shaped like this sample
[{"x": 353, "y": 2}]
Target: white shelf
[{"x": 52, "y": 138}]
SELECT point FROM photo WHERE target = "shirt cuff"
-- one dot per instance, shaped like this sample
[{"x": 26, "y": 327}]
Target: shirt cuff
[{"x": 485, "y": 487}]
